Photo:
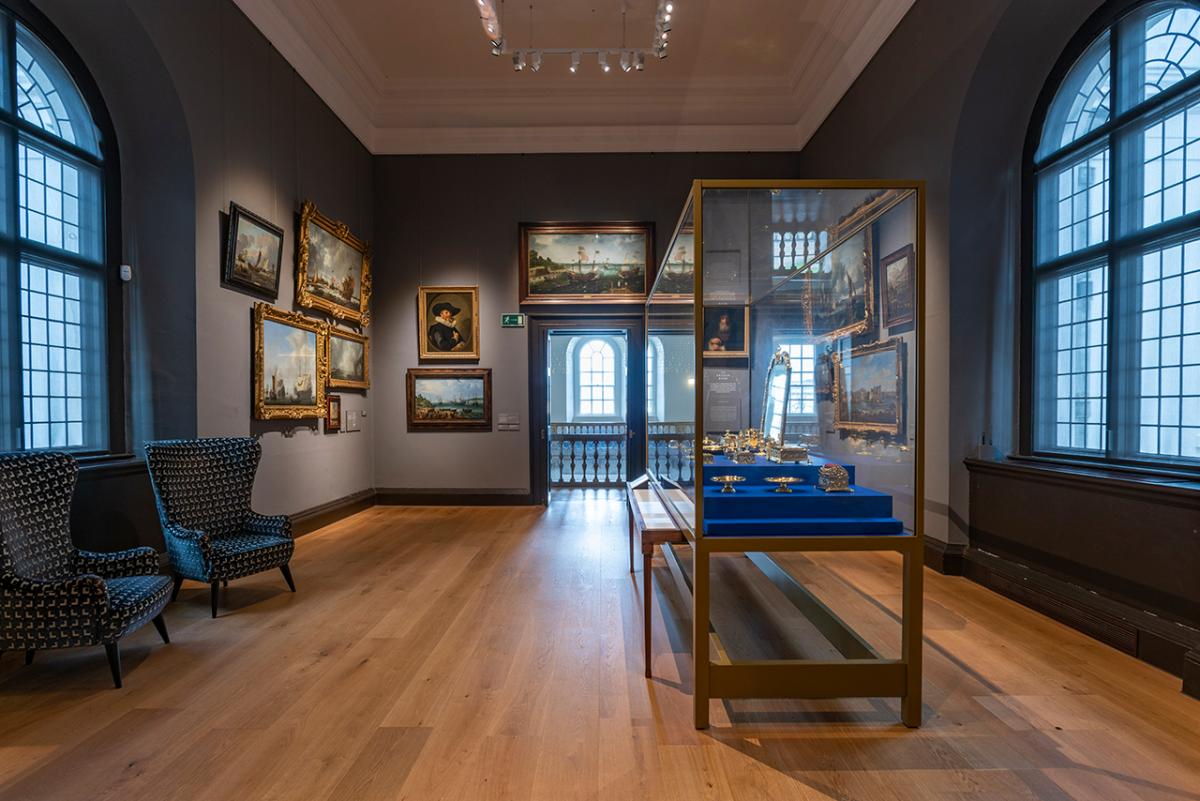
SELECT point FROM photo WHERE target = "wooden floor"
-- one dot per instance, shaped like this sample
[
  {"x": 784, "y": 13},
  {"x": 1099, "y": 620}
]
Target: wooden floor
[{"x": 496, "y": 654}]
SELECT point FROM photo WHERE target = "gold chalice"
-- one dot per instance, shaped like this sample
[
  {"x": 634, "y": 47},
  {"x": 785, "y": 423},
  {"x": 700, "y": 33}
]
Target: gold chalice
[{"x": 728, "y": 481}]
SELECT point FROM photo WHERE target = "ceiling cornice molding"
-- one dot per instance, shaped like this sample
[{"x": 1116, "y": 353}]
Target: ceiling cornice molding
[
  {"x": 587, "y": 139},
  {"x": 410, "y": 115}
]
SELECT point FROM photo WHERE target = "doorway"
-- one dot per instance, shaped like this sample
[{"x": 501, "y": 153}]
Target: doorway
[{"x": 587, "y": 399}]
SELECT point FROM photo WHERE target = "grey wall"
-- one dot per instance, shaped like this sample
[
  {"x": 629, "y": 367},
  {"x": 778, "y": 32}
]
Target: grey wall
[
  {"x": 207, "y": 111},
  {"x": 454, "y": 220}
]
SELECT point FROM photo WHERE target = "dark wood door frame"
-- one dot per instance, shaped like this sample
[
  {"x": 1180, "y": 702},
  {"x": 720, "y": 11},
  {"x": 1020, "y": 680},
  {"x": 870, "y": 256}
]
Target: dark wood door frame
[{"x": 633, "y": 325}]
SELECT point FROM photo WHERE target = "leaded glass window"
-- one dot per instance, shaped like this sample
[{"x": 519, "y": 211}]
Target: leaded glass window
[
  {"x": 1116, "y": 273},
  {"x": 51, "y": 254}
]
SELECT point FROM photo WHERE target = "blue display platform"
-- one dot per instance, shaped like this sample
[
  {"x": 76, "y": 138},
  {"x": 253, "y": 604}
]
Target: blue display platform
[{"x": 755, "y": 509}]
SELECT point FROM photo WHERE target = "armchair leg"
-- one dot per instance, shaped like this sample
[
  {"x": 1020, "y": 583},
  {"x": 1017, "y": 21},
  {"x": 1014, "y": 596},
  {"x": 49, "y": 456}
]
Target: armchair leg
[
  {"x": 175, "y": 589},
  {"x": 287, "y": 576},
  {"x": 29, "y": 656},
  {"x": 161, "y": 625},
  {"x": 114, "y": 662},
  {"x": 216, "y": 594}
]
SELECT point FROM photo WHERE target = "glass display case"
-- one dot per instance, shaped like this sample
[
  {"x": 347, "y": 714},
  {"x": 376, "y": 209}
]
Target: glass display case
[{"x": 784, "y": 384}]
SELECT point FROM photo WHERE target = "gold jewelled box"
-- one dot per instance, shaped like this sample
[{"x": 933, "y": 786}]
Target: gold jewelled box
[{"x": 833, "y": 478}]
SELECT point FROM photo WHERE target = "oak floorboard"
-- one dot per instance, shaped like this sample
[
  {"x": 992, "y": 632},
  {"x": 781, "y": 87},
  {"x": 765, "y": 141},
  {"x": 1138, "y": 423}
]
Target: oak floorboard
[{"x": 495, "y": 654}]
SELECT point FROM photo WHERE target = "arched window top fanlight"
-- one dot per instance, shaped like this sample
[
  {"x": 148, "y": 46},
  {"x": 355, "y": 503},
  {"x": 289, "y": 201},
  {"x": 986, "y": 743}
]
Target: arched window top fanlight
[
  {"x": 47, "y": 96},
  {"x": 1081, "y": 104},
  {"x": 1170, "y": 36}
]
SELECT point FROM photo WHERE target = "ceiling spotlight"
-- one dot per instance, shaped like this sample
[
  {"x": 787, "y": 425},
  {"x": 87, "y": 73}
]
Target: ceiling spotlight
[
  {"x": 666, "y": 18},
  {"x": 603, "y": 58},
  {"x": 574, "y": 62},
  {"x": 670, "y": 7},
  {"x": 625, "y": 65},
  {"x": 535, "y": 63},
  {"x": 498, "y": 46},
  {"x": 519, "y": 60},
  {"x": 639, "y": 61}
]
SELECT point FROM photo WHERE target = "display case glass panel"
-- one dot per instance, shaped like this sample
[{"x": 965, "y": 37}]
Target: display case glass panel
[{"x": 783, "y": 332}]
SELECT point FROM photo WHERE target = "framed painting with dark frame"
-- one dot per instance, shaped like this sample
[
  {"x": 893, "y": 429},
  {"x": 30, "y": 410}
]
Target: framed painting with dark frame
[
  {"x": 333, "y": 268},
  {"x": 726, "y": 332},
  {"x": 896, "y": 287},
  {"x": 448, "y": 399},
  {"x": 333, "y": 414},
  {"x": 253, "y": 253},
  {"x": 868, "y": 388},
  {"x": 290, "y": 364},
  {"x": 448, "y": 323},
  {"x": 586, "y": 262},
  {"x": 349, "y": 359}
]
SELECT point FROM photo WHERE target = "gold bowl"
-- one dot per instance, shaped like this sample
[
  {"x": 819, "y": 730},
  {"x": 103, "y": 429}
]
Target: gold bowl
[
  {"x": 782, "y": 482},
  {"x": 728, "y": 481}
]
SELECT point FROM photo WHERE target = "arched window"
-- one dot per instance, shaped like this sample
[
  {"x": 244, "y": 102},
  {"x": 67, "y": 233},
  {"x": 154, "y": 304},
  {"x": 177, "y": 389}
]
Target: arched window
[
  {"x": 52, "y": 253},
  {"x": 655, "y": 359},
  {"x": 596, "y": 388},
  {"x": 1114, "y": 278}
]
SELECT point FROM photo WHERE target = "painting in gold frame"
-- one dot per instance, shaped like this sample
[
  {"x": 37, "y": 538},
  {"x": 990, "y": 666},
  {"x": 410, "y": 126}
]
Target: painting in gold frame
[
  {"x": 349, "y": 360},
  {"x": 868, "y": 388},
  {"x": 290, "y": 364},
  {"x": 449, "y": 399},
  {"x": 333, "y": 268},
  {"x": 586, "y": 262},
  {"x": 448, "y": 323},
  {"x": 839, "y": 302}
]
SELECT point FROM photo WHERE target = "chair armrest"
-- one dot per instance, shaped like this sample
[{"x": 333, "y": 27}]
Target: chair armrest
[
  {"x": 141, "y": 561},
  {"x": 74, "y": 588},
  {"x": 191, "y": 536},
  {"x": 269, "y": 525}
]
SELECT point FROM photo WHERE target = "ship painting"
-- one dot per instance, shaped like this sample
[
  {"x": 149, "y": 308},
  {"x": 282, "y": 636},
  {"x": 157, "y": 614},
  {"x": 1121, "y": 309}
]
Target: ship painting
[
  {"x": 334, "y": 268},
  {"x": 679, "y": 271},
  {"x": 289, "y": 364},
  {"x": 581, "y": 265}
]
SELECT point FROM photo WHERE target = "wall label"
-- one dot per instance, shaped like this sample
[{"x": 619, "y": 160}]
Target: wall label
[{"x": 512, "y": 321}]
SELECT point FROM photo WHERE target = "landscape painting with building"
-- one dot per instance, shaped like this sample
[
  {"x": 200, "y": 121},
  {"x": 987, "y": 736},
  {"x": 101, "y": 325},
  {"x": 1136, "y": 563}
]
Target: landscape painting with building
[{"x": 596, "y": 263}]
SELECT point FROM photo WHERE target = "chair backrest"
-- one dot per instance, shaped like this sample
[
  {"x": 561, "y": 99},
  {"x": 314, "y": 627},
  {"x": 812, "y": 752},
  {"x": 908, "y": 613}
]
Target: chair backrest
[
  {"x": 35, "y": 515},
  {"x": 204, "y": 484}
]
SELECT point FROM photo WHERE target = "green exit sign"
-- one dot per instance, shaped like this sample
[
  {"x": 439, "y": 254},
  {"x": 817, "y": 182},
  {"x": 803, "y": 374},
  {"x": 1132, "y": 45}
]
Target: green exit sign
[{"x": 512, "y": 321}]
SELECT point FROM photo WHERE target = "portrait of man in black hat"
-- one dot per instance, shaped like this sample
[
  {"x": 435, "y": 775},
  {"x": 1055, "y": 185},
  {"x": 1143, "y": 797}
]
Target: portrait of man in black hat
[
  {"x": 448, "y": 323},
  {"x": 444, "y": 335}
]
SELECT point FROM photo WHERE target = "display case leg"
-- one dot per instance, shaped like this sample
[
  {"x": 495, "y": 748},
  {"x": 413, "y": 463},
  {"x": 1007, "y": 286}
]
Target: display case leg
[
  {"x": 914, "y": 581},
  {"x": 700, "y": 586}
]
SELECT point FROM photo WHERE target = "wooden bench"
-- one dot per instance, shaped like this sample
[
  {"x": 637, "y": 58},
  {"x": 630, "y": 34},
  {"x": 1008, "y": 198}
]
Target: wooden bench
[{"x": 650, "y": 524}]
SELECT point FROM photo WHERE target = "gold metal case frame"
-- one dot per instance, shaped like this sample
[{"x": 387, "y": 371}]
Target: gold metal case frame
[
  {"x": 305, "y": 295},
  {"x": 264, "y": 312},
  {"x": 843, "y": 222}
]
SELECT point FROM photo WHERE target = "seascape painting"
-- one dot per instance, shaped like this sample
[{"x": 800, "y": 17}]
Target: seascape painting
[
  {"x": 450, "y": 399},
  {"x": 869, "y": 387},
  {"x": 290, "y": 364},
  {"x": 678, "y": 275},
  {"x": 841, "y": 297},
  {"x": 253, "y": 252},
  {"x": 602, "y": 263},
  {"x": 333, "y": 268},
  {"x": 348, "y": 355}
]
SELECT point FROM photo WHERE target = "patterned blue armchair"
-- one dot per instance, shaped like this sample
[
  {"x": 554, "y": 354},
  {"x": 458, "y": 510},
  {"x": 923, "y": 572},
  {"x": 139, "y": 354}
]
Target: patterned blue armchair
[
  {"x": 202, "y": 487},
  {"x": 53, "y": 595}
]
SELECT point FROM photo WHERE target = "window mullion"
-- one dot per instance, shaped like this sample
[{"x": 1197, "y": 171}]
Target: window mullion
[{"x": 12, "y": 437}]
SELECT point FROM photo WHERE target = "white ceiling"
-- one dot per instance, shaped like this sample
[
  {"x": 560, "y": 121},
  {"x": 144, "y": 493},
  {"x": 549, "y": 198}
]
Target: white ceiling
[{"x": 417, "y": 76}]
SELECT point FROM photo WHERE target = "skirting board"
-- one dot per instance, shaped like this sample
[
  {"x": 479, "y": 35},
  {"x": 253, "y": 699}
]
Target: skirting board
[
  {"x": 452, "y": 497},
  {"x": 944, "y": 557},
  {"x": 312, "y": 519},
  {"x": 1168, "y": 646}
]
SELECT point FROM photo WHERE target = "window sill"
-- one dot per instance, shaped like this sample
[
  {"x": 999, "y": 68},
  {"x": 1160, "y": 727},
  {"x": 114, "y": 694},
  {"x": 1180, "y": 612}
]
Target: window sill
[
  {"x": 1107, "y": 479},
  {"x": 110, "y": 464}
]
